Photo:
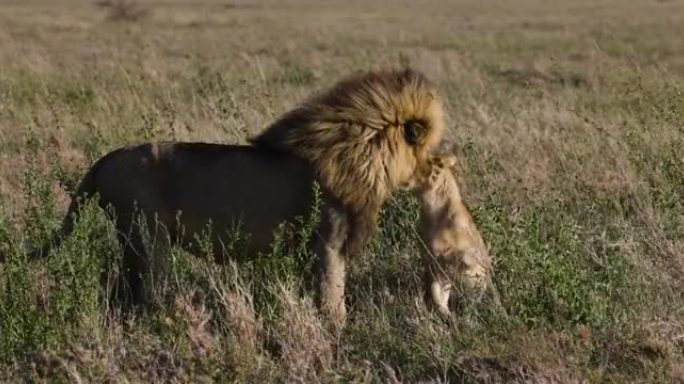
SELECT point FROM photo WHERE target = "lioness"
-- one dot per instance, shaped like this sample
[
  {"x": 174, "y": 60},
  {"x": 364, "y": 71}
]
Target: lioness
[{"x": 454, "y": 249}]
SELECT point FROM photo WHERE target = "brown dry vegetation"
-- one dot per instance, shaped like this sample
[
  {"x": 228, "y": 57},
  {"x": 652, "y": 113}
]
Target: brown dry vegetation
[{"x": 567, "y": 118}]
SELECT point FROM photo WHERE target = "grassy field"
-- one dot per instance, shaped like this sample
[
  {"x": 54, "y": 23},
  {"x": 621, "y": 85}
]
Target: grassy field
[{"x": 567, "y": 118}]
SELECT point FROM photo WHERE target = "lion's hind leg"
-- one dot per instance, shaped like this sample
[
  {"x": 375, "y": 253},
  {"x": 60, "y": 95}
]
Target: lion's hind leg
[
  {"x": 146, "y": 246},
  {"x": 129, "y": 286}
]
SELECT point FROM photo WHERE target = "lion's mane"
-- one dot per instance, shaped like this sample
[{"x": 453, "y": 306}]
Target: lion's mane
[{"x": 365, "y": 137}]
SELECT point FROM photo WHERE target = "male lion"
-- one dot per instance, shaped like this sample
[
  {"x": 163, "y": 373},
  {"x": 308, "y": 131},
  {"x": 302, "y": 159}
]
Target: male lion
[
  {"x": 365, "y": 138},
  {"x": 455, "y": 251},
  {"x": 361, "y": 140}
]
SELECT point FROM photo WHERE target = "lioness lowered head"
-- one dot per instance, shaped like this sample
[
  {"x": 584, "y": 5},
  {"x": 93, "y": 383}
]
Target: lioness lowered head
[{"x": 456, "y": 256}]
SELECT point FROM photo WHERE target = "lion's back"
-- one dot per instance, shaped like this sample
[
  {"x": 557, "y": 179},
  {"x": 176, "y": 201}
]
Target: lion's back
[{"x": 221, "y": 184}]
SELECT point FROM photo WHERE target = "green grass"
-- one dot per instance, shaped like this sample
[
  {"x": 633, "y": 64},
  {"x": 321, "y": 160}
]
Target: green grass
[{"x": 567, "y": 122}]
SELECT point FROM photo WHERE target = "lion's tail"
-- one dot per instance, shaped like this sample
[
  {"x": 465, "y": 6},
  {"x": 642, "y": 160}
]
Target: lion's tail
[{"x": 86, "y": 190}]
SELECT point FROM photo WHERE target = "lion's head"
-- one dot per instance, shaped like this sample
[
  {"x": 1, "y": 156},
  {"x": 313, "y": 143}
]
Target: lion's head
[{"x": 365, "y": 137}]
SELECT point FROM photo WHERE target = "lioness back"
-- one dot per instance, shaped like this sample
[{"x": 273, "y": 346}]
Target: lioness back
[{"x": 192, "y": 184}]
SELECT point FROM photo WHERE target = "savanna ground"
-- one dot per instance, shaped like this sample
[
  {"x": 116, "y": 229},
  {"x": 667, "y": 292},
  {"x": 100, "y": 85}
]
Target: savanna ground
[{"x": 568, "y": 120}]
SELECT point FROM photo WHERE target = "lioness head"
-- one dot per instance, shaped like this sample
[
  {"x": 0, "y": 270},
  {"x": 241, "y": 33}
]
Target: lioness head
[{"x": 455, "y": 250}]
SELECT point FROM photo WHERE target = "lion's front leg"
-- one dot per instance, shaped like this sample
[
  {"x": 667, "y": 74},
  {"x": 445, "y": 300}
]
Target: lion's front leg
[
  {"x": 331, "y": 285},
  {"x": 332, "y": 234}
]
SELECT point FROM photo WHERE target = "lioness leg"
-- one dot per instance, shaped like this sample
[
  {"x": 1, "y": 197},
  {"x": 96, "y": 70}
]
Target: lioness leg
[
  {"x": 438, "y": 292},
  {"x": 332, "y": 234}
]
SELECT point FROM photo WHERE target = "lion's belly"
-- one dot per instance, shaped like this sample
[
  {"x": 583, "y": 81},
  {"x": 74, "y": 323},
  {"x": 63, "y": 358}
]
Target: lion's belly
[{"x": 255, "y": 222}]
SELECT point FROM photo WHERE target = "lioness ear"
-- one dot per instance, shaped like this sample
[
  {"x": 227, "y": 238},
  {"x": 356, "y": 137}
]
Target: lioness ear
[{"x": 450, "y": 160}]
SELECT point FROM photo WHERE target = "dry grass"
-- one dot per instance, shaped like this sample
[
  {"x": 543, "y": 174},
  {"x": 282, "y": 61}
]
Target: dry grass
[
  {"x": 567, "y": 120},
  {"x": 123, "y": 10}
]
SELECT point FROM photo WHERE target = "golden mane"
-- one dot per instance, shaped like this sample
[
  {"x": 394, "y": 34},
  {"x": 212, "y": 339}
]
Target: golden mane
[{"x": 364, "y": 137}]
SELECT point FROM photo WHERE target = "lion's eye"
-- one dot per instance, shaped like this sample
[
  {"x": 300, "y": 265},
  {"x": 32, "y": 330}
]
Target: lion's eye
[{"x": 414, "y": 131}]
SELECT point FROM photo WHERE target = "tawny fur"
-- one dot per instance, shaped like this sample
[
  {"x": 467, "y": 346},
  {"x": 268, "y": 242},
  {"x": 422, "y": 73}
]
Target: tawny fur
[
  {"x": 365, "y": 138},
  {"x": 455, "y": 252}
]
